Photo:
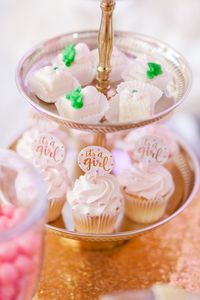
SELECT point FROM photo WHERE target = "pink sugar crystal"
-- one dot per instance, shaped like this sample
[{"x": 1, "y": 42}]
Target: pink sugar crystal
[
  {"x": 8, "y": 273},
  {"x": 8, "y": 210},
  {"x": 8, "y": 251},
  {"x": 19, "y": 256},
  {"x": 24, "y": 265},
  {"x": 28, "y": 244},
  {"x": 4, "y": 223},
  {"x": 8, "y": 292},
  {"x": 19, "y": 215}
]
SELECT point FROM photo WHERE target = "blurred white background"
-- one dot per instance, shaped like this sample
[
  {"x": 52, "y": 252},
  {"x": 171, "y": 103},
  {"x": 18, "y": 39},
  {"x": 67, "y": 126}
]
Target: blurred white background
[{"x": 26, "y": 22}]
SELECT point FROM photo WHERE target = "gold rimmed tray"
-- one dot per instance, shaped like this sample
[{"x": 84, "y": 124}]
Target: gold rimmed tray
[
  {"x": 185, "y": 171},
  {"x": 130, "y": 43}
]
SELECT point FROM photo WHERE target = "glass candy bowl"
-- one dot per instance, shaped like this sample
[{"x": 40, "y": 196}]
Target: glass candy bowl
[{"x": 22, "y": 219}]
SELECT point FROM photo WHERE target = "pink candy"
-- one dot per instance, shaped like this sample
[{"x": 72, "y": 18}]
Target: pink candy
[{"x": 19, "y": 257}]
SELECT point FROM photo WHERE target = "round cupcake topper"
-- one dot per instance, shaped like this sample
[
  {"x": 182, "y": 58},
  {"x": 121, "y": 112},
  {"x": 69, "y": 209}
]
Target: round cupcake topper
[
  {"x": 48, "y": 149},
  {"x": 151, "y": 149},
  {"x": 96, "y": 160}
]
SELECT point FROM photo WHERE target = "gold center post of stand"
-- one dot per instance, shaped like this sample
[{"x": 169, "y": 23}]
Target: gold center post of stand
[{"x": 105, "y": 45}]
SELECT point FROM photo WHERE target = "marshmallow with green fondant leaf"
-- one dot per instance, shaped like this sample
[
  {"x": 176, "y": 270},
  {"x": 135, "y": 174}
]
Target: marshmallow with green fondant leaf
[
  {"x": 85, "y": 105},
  {"x": 149, "y": 69},
  {"x": 50, "y": 82},
  {"x": 134, "y": 101},
  {"x": 77, "y": 60}
]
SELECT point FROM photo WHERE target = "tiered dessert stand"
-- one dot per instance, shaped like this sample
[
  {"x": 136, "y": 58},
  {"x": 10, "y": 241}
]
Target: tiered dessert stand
[{"x": 185, "y": 166}]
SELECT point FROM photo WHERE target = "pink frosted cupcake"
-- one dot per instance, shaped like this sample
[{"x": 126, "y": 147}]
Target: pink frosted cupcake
[
  {"x": 96, "y": 203},
  {"x": 147, "y": 190}
]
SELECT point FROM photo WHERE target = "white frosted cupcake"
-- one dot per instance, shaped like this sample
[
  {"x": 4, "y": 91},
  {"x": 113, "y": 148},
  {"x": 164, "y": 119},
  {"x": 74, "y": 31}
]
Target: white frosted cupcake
[
  {"x": 149, "y": 69},
  {"x": 25, "y": 145},
  {"x": 25, "y": 189},
  {"x": 85, "y": 105},
  {"x": 96, "y": 203},
  {"x": 77, "y": 59},
  {"x": 130, "y": 141},
  {"x": 50, "y": 82},
  {"x": 134, "y": 101},
  {"x": 147, "y": 190},
  {"x": 119, "y": 62},
  {"x": 57, "y": 183}
]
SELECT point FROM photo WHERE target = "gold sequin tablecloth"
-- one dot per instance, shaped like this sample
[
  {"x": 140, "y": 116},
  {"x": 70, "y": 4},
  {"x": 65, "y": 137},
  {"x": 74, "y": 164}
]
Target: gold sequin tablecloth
[{"x": 169, "y": 254}]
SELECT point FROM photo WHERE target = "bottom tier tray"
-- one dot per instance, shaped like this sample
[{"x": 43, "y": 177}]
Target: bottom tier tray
[
  {"x": 168, "y": 254},
  {"x": 184, "y": 169}
]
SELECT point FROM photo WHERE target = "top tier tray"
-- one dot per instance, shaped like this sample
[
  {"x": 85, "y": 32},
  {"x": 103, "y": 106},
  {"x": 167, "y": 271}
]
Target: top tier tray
[{"x": 132, "y": 45}]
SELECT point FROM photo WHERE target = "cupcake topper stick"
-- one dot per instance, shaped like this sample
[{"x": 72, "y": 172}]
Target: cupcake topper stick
[
  {"x": 105, "y": 51},
  {"x": 151, "y": 150},
  {"x": 95, "y": 160}
]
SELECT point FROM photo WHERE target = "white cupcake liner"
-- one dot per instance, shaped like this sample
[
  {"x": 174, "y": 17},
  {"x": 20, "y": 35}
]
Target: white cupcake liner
[
  {"x": 95, "y": 224},
  {"x": 144, "y": 211},
  {"x": 113, "y": 114},
  {"x": 141, "y": 86},
  {"x": 55, "y": 207},
  {"x": 88, "y": 118},
  {"x": 84, "y": 73},
  {"x": 103, "y": 107}
]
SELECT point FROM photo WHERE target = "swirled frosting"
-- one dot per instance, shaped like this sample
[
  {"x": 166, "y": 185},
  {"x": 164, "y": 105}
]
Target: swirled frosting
[
  {"x": 24, "y": 145},
  {"x": 94, "y": 196},
  {"x": 150, "y": 182},
  {"x": 26, "y": 189},
  {"x": 57, "y": 181}
]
